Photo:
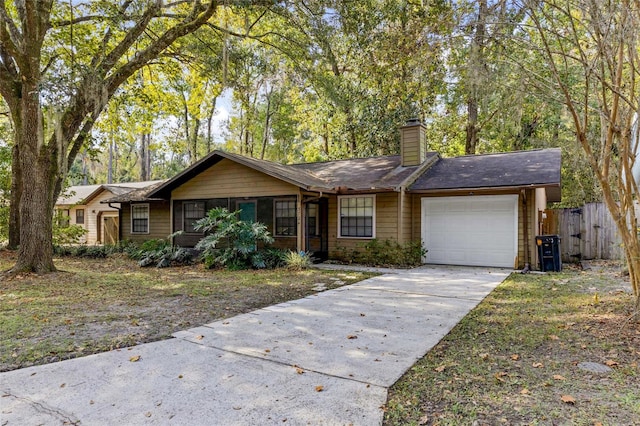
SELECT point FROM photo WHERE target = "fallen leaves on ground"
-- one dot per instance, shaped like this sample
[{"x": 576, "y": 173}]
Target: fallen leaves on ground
[
  {"x": 135, "y": 358},
  {"x": 568, "y": 399}
]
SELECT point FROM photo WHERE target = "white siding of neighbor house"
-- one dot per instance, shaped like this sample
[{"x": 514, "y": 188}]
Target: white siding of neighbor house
[{"x": 91, "y": 212}]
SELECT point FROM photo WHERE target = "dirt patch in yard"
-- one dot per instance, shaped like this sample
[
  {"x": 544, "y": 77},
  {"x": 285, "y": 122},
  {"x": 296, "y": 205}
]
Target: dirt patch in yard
[
  {"x": 517, "y": 359},
  {"x": 93, "y": 305}
]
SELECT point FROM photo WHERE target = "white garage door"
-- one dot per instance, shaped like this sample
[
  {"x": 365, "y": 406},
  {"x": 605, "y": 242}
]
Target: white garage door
[{"x": 479, "y": 230}]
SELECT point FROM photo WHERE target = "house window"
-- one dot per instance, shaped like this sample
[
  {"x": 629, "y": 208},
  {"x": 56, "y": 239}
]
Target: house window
[
  {"x": 139, "y": 218},
  {"x": 357, "y": 216},
  {"x": 192, "y": 212},
  {"x": 286, "y": 219},
  {"x": 62, "y": 217},
  {"x": 80, "y": 217}
]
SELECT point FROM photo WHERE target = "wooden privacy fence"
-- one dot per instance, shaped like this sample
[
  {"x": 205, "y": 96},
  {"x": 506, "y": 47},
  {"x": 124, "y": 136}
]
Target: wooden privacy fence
[{"x": 587, "y": 232}]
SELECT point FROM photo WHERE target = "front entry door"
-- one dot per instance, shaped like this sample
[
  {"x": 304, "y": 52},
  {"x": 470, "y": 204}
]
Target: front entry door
[
  {"x": 247, "y": 211},
  {"x": 317, "y": 230}
]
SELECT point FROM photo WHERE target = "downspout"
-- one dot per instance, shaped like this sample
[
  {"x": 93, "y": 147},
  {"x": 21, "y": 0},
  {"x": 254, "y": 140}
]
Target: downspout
[
  {"x": 119, "y": 220},
  {"x": 525, "y": 232}
]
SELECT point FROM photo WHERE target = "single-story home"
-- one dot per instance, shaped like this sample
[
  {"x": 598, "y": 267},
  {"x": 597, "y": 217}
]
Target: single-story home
[
  {"x": 83, "y": 205},
  {"x": 472, "y": 210}
]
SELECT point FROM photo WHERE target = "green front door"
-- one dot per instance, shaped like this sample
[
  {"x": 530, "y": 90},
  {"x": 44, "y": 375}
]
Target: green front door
[{"x": 247, "y": 210}]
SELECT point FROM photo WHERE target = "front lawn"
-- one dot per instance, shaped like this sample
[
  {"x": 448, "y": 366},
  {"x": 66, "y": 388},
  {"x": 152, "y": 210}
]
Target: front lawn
[
  {"x": 514, "y": 359},
  {"x": 93, "y": 305}
]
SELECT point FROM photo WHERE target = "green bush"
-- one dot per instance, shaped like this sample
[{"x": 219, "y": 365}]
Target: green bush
[
  {"x": 68, "y": 234},
  {"x": 167, "y": 256},
  {"x": 230, "y": 242},
  {"x": 298, "y": 260},
  {"x": 384, "y": 253},
  {"x": 138, "y": 252},
  {"x": 273, "y": 257},
  {"x": 93, "y": 252}
]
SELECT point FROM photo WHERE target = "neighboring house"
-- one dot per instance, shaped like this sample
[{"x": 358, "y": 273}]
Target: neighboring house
[
  {"x": 472, "y": 210},
  {"x": 82, "y": 205}
]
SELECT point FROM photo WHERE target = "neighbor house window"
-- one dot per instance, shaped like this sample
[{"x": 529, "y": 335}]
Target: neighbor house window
[
  {"x": 139, "y": 218},
  {"x": 62, "y": 217},
  {"x": 357, "y": 216},
  {"x": 80, "y": 217},
  {"x": 193, "y": 211},
  {"x": 286, "y": 219}
]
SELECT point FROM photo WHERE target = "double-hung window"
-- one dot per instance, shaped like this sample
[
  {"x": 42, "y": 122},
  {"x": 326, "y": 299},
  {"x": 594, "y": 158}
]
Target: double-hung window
[
  {"x": 285, "y": 218},
  {"x": 357, "y": 216},
  {"x": 140, "y": 218},
  {"x": 193, "y": 211},
  {"x": 79, "y": 216}
]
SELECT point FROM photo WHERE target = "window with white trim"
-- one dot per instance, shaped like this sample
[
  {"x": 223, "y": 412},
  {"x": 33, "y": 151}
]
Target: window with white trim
[
  {"x": 140, "y": 218},
  {"x": 192, "y": 212},
  {"x": 285, "y": 217},
  {"x": 357, "y": 216}
]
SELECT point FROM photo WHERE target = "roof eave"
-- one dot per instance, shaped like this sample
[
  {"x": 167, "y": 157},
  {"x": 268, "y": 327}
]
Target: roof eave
[{"x": 485, "y": 188}]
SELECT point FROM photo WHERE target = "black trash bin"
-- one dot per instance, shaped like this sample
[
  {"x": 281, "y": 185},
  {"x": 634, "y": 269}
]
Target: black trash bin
[{"x": 549, "y": 253}]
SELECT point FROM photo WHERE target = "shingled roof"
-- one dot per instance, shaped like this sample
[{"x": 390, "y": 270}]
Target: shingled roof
[
  {"x": 362, "y": 174},
  {"x": 536, "y": 168},
  {"x": 139, "y": 194},
  {"x": 82, "y": 194}
]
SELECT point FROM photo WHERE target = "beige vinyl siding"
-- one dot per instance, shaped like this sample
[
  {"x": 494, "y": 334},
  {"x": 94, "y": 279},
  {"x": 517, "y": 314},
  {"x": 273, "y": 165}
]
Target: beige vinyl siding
[
  {"x": 406, "y": 215},
  {"x": 159, "y": 222},
  {"x": 72, "y": 220},
  {"x": 531, "y": 217},
  {"x": 229, "y": 179},
  {"x": 386, "y": 223},
  {"x": 92, "y": 210}
]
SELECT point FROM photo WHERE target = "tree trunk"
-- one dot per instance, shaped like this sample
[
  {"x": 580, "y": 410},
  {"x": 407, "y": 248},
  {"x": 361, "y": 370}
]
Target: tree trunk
[
  {"x": 16, "y": 193},
  {"x": 475, "y": 79},
  {"x": 143, "y": 154},
  {"x": 210, "y": 124},
  {"x": 36, "y": 205},
  {"x": 265, "y": 134},
  {"x": 472, "y": 127}
]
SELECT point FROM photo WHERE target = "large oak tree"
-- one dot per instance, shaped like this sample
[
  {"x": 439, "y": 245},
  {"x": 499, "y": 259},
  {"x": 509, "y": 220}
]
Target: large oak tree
[{"x": 60, "y": 63}]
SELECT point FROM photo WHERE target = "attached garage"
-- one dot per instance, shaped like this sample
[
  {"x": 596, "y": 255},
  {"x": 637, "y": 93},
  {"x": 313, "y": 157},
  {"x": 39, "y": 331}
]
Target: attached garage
[{"x": 479, "y": 230}]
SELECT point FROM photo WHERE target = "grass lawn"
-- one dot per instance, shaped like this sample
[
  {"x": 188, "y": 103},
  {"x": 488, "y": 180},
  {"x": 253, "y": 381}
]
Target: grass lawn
[
  {"x": 94, "y": 305},
  {"x": 514, "y": 359}
]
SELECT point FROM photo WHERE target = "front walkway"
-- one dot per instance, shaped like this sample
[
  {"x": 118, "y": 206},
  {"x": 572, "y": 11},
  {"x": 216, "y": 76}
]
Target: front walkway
[{"x": 324, "y": 359}]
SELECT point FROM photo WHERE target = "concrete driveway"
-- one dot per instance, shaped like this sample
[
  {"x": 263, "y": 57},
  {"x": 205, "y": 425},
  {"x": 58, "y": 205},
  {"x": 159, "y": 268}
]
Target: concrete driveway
[{"x": 325, "y": 359}]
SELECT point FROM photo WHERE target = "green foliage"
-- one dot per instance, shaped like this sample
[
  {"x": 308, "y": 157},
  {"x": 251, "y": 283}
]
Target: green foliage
[
  {"x": 70, "y": 234},
  {"x": 230, "y": 242},
  {"x": 298, "y": 260},
  {"x": 83, "y": 250},
  {"x": 5, "y": 184},
  {"x": 167, "y": 256},
  {"x": 385, "y": 253}
]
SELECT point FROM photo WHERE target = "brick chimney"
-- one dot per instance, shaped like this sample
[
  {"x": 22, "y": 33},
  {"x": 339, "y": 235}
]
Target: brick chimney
[{"x": 413, "y": 142}]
